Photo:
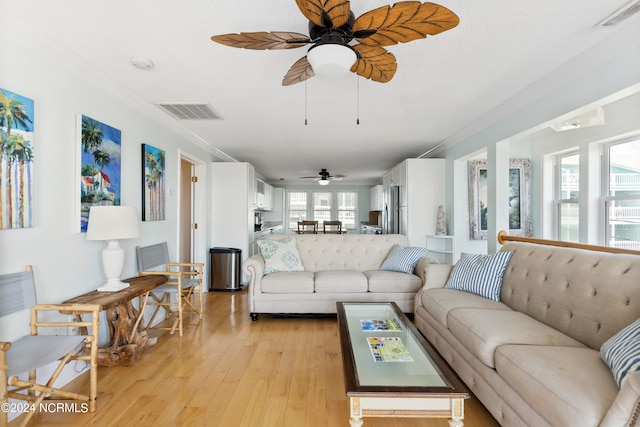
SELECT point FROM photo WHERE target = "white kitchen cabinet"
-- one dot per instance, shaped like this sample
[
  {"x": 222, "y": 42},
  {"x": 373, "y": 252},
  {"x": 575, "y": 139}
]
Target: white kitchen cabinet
[
  {"x": 232, "y": 206},
  {"x": 276, "y": 214},
  {"x": 264, "y": 196},
  {"x": 377, "y": 199},
  {"x": 268, "y": 197},
  {"x": 251, "y": 184},
  {"x": 422, "y": 190}
]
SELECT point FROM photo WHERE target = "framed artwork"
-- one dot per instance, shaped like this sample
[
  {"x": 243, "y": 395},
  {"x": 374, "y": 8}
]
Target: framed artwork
[
  {"x": 153, "y": 174},
  {"x": 519, "y": 198},
  {"x": 16, "y": 161},
  {"x": 99, "y": 153}
]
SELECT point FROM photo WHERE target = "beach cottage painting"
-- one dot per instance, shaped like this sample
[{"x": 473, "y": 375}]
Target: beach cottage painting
[
  {"x": 16, "y": 163},
  {"x": 99, "y": 166},
  {"x": 153, "y": 171}
]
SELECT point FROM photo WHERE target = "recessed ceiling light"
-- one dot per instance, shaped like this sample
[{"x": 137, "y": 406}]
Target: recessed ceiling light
[{"x": 142, "y": 63}]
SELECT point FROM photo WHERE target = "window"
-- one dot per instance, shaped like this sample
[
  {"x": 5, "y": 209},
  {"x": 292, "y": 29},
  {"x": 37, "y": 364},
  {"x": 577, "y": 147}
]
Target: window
[
  {"x": 567, "y": 195},
  {"x": 347, "y": 203},
  {"x": 323, "y": 206},
  {"x": 622, "y": 201},
  {"x": 297, "y": 207}
]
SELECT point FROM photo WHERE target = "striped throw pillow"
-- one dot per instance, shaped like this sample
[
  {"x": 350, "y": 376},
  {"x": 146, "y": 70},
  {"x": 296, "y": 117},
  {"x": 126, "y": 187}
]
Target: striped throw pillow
[
  {"x": 403, "y": 259},
  {"x": 479, "y": 274},
  {"x": 621, "y": 352}
]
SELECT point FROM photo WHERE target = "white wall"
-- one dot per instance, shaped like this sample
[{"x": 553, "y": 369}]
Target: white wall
[
  {"x": 597, "y": 76},
  {"x": 65, "y": 264}
]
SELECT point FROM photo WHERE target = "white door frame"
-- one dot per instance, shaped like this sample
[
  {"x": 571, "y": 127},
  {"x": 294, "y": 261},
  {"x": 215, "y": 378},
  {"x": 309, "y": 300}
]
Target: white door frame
[{"x": 199, "y": 200}]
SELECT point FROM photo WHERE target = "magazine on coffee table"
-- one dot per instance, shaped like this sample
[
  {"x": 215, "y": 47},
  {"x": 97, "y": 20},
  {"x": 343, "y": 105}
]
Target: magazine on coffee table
[
  {"x": 388, "y": 349},
  {"x": 380, "y": 325}
]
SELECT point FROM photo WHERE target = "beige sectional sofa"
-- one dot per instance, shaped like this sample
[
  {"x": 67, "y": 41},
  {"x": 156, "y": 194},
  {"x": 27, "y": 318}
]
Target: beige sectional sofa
[
  {"x": 336, "y": 267},
  {"x": 533, "y": 358}
]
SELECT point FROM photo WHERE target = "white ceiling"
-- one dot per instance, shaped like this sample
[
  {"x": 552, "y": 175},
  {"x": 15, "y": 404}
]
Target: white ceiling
[{"x": 443, "y": 83}]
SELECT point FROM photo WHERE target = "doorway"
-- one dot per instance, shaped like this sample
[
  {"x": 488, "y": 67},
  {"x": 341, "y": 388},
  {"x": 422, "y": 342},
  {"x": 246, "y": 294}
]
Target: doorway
[{"x": 191, "y": 223}]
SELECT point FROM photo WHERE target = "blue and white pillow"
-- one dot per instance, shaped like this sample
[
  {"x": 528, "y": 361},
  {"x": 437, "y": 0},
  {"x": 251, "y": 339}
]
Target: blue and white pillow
[
  {"x": 403, "y": 258},
  {"x": 280, "y": 255},
  {"x": 479, "y": 274},
  {"x": 621, "y": 352}
]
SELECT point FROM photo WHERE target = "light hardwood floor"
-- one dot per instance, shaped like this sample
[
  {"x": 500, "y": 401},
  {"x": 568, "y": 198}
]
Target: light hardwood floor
[{"x": 228, "y": 371}]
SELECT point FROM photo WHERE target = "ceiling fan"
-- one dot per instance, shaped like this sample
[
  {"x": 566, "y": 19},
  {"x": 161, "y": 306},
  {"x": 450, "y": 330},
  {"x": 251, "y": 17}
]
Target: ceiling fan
[
  {"x": 324, "y": 177},
  {"x": 336, "y": 36}
]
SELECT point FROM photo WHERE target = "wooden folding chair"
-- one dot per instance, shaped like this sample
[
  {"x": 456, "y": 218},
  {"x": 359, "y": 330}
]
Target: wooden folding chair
[
  {"x": 184, "y": 284},
  {"x": 21, "y": 358}
]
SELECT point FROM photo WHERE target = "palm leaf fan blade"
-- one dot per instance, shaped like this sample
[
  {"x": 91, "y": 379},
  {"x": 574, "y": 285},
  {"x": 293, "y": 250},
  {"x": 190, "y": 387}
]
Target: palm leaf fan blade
[
  {"x": 404, "y": 22},
  {"x": 262, "y": 40},
  {"x": 317, "y": 11},
  {"x": 375, "y": 63},
  {"x": 299, "y": 72}
]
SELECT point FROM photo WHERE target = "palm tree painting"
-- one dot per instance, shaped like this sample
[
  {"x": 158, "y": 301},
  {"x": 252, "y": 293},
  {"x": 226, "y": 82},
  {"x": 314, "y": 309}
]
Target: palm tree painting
[
  {"x": 16, "y": 160},
  {"x": 100, "y": 166},
  {"x": 153, "y": 176}
]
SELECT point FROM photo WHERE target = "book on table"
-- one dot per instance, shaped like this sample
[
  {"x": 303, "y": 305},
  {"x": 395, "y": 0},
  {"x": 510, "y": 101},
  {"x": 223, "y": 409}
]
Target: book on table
[
  {"x": 380, "y": 325},
  {"x": 388, "y": 349}
]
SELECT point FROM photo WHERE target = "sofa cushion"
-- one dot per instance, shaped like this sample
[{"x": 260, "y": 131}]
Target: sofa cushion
[
  {"x": 292, "y": 282},
  {"x": 438, "y": 302},
  {"x": 340, "y": 281},
  {"x": 621, "y": 352},
  {"x": 482, "y": 331},
  {"x": 479, "y": 274},
  {"x": 568, "y": 386},
  {"x": 572, "y": 289},
  {"x": 392, "y": 281},
  {"x": 280, "y": 255},
  {"x": 351, "y": 251},
  {"x": 403, "y": 259}
]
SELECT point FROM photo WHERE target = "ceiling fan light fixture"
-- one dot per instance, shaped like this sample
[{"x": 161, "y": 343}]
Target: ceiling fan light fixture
[
  {"x": 331, "y": 60},
  {"x": 323, "y": 181}
]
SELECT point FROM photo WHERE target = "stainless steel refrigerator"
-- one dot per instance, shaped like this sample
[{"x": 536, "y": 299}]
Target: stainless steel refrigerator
[{"x": 391, "y": 211}]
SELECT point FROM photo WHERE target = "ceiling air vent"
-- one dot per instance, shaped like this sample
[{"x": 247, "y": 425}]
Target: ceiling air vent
[
  {"x": 189, "y": 111},
  {"x": 621, "y": 14}
]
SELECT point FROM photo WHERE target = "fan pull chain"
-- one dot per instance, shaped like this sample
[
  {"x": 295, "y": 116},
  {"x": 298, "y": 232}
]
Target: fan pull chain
[
  {"x": 357, "y": 100},
  {"x": 305, "y": 102}
]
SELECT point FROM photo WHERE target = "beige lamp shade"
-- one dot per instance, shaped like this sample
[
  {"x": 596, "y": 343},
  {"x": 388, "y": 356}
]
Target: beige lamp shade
[{"x": 113, "y": 223}]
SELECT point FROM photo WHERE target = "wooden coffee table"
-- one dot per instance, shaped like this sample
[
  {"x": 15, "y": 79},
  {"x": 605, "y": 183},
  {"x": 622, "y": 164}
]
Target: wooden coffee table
[{"x": 394, "y": 372}]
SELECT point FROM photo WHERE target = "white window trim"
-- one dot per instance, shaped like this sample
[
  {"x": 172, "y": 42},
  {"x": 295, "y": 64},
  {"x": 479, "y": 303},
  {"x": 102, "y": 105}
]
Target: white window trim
[{"x": 334, "y": 205}]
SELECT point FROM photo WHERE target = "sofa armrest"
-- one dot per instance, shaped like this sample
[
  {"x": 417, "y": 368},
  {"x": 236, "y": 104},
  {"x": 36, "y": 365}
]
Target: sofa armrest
[
  {"x": 421, "y": 267},
  {"x": 436, "y": 275},
  {"x": 254, "y": 268},
  {"x": 625, "y": 410}
]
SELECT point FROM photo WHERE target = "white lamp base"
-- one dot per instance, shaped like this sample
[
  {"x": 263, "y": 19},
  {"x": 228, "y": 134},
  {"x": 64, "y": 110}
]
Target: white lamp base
[{"x": 113, "y": 262}]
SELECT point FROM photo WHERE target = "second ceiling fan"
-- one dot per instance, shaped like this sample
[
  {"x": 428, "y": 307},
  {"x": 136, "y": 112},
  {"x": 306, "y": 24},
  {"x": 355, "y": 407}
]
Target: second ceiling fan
[
  {"x": 334, "y": 27},
  {"x": 324, "y": 177}
]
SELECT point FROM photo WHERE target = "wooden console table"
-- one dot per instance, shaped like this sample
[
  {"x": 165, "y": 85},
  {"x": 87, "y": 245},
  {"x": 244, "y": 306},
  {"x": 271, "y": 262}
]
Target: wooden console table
[{"x": 128, "y": 339}]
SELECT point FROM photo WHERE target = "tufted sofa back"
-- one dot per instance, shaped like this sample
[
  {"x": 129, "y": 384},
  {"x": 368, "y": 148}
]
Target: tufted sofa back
[
  {"x": 585, "y": 294},
  {"x": 361, "y": 252}
]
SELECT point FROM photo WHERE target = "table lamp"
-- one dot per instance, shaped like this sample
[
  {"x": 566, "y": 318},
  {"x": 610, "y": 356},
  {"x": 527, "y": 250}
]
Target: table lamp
[{"x": 113, "y": 223}]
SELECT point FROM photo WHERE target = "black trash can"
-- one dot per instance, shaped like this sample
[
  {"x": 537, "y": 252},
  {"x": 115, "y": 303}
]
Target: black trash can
[{"x": 225, "y": 269}]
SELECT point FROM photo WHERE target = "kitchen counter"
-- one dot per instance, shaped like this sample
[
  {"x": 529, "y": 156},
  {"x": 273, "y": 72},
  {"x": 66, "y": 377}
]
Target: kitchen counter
[
  {"x": 268, "y": 228},
  {"x": 370, "y": 229}
]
